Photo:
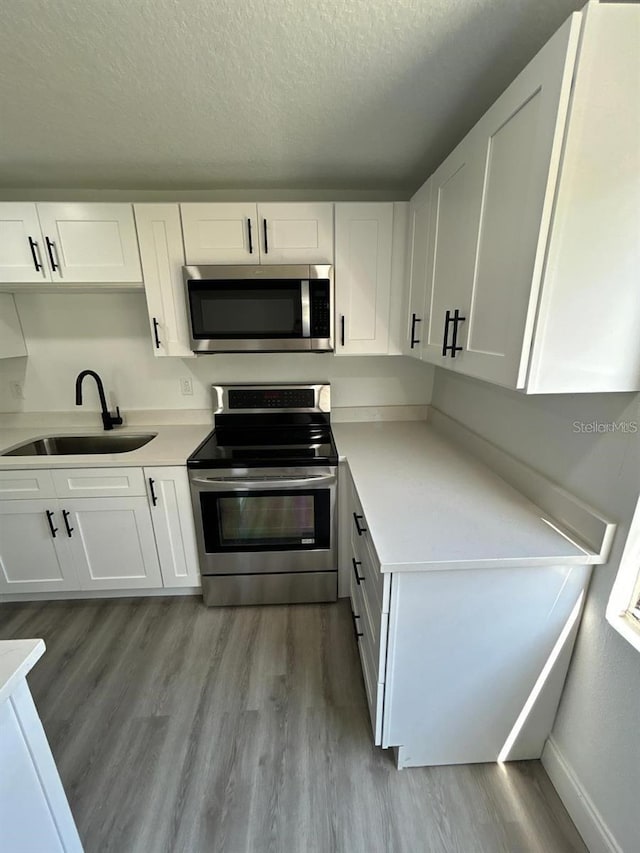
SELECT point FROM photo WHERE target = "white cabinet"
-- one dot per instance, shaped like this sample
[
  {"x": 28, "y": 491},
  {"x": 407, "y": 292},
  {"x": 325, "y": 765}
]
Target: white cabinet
[
  {"x": 173, "y": 525},
  {"x": 34, "y": 549},
  {"x": 73, "y": 529},
  {"x": 22, "y": 249},
  {"x": 112, "y": 543},
  {"x": 67, "y": 243},
  {"x": 249, "y": 233},
  {"x": 11, "y": 338},
  {"x": 162, "y": 256},
  {"x": 296, "y": 232},
  {"x": 221, "y": 233},
  {"x": 365, "y": 245},
  {"x": 417, "y": 270},
  {"x": 534, "y": 221}
]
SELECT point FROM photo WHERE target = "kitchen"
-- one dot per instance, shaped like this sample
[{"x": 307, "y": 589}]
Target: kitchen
[{"x": 112, "y": 333}]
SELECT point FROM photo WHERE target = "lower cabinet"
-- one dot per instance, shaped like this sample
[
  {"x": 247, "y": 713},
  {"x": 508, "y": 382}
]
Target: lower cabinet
[
  {"x": 143, "y": 538},
  {"x": 461, "y": 666},
  {"x": 34, "y": 555}
]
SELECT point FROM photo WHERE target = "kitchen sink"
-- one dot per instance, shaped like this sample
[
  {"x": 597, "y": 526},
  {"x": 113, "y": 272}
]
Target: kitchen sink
[{"x": 68, "y": 445}]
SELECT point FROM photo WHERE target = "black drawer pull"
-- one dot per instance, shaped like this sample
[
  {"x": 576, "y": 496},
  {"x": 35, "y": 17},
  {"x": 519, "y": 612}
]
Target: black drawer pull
[
  {"x": 454, "y": 346},
  {"x": 356, "y": 519},
  {"x": 53, "y": 529},
  {"x": 355, "y": 626},
  {"x": 65, "y": 515},
  {"x": 34, "y": 254},
  {"x": 357, "y": 563},
  {"x": 155, "y": 333},
  {"x": 250, "y": 236},
  {"x": 445, "y": 343},
  {"x": 266, "y": 239},
  {"x": 50, "y": 247},
  {"x": 414, "y": 320},
  {"x": 154, "y": 499}
]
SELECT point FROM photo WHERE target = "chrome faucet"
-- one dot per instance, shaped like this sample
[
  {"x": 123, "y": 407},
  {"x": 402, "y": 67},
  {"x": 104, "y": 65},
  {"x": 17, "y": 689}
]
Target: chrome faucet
[{"x": 108, "y": 420}]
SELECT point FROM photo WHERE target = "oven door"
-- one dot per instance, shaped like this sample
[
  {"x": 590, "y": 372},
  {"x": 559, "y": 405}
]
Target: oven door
[{"x": 253, "y": 521}]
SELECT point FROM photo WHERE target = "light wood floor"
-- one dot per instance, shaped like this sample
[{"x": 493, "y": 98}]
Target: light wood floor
[{"x": 183, "y": 729}]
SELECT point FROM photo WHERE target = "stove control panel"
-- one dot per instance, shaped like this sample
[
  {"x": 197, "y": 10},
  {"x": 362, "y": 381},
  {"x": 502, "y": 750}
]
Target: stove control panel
[{"x": 271, "y": 398}]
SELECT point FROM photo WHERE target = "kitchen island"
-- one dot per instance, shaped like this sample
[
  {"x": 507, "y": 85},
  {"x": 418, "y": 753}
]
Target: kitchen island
[
  {"x": 467, "y": 575},
  {"x": 34, "y": 812}
]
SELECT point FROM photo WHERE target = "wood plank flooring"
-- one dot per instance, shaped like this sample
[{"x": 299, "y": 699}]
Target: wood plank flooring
[{"x": 184, "y": 729}]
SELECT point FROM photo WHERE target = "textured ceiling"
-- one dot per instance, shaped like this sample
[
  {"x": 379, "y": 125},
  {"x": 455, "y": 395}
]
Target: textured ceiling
[{"x": 162, "y": 94}]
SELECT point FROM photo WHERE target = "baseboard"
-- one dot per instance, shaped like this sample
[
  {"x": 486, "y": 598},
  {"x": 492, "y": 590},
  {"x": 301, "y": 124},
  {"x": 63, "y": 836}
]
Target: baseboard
[
  {"x": 99, "y": 593},
  {"x": 583, "y": 813}
]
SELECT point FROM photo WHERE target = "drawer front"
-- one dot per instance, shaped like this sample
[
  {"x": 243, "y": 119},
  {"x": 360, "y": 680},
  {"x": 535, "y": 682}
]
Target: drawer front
[
  {"x": 27, "y": 485},
  {"x": 377, "y": 583},
  {"x": 373, "y": 688},
  {"x": 373, "y": 623},
  {"x": 98, "y": 482}
]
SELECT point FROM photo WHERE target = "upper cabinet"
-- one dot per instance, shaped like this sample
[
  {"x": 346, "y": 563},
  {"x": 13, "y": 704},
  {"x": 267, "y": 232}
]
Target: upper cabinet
[
  {"x": 369, "y": 237},
  {"x": 530, "y": 277},
  {"x": 67, "y": 243},
  {"x": 246, "y": 233},
  {"x": 417, "y": 262},
  {"x": 162, "y": 255}
]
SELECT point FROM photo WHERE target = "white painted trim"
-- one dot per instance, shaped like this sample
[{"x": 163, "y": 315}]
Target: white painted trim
[
  {"x": 625, "y": 588},
  {"x": 99, "y": 593},
  {"x": 578, "y": 521},
  {"x": 588, "y": 820}
]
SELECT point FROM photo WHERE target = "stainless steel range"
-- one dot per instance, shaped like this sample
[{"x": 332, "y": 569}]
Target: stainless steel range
[{"x": 263, "y": 486}]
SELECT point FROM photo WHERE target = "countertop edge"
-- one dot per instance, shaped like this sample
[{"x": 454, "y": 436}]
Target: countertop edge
[{"x": 26, "y": 653}]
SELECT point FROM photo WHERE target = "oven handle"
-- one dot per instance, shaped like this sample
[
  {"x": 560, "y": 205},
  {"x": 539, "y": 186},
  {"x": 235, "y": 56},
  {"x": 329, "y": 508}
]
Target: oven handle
[{"x": 268, "y": 482}]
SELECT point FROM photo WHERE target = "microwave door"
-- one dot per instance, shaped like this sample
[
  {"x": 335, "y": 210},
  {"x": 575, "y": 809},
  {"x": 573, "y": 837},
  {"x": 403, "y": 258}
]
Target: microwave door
[{"x": 238, "y": 316}]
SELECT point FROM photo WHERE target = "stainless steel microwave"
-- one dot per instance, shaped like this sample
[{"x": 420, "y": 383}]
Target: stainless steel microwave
[{"x": 260, "y": 308}]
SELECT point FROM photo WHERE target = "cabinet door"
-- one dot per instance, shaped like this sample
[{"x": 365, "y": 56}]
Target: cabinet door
[
  {"x": 173, "y": 525},
  {"x": 453, "y": 227},
  {"x": 34, "y": 551},
  {"x": 220, "y": 233},
  {"x": 417, "y": 250},
  {"x": 162, "y": 255},
  {"x": 296, "y": 233},
  {"x": 520, "y": 140},
  {"x": 364, "y": 234},
  {"x": 112, "y": 543},
  {"x": 11, "y": 338},
  {"x": 22, "y": 251},
  {"x": 90, "y": 242}
]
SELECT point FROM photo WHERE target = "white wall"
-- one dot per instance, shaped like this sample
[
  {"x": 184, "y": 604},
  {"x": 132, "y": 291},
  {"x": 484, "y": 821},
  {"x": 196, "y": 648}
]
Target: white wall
[
  {"x": 596, "y": 729},
  {"x": 109, "y": 332}
]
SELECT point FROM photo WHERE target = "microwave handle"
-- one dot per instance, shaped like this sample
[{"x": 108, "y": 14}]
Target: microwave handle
[{"x": 306, "y": 309}]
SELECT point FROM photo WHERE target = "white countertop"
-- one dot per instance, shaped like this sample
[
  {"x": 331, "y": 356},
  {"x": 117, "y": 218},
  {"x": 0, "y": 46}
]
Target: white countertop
[
  {"x": 172, "y": 445},
  {"x": 430, "y": 505},
  {"x": 17, "y": 658}
]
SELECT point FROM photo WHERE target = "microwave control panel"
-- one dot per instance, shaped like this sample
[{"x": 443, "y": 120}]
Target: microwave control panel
[{"x": 320, "y": 308}]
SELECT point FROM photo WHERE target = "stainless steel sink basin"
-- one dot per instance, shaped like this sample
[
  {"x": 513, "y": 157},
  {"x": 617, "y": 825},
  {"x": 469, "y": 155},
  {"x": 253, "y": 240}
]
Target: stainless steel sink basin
[{"x": 68, "y": 445}]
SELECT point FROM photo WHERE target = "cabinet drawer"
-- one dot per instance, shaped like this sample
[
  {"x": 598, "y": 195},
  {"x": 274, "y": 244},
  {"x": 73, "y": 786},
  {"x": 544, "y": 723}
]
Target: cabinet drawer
[
  {"x": 98, "y": 482},
  {"x": 378, "y": 584},
  {"x": 373, "y": 624},
  {"x": 373, "y": 688},
  {"x": 29, "y": 485}
]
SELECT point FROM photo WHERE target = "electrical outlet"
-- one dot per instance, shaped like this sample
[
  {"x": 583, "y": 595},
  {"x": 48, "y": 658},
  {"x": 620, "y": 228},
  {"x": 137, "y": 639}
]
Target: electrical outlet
[
  {"x": 186, "y": 387},
  {"x": 17, "y": 390}
]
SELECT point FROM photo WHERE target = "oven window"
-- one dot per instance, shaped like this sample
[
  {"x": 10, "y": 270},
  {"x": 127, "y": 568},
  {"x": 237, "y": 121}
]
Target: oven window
[
  {"x": 266, "y": 521},
  {"x": 243, "y": 309}
]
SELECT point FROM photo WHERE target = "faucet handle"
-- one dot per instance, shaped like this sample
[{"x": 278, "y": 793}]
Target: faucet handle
[{"x": 116, "y": 420}]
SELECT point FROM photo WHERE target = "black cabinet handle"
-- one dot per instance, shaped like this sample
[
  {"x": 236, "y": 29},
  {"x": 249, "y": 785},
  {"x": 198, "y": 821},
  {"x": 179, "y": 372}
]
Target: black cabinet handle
[
  {"x": 454, "y": 346},
  {"x": 250, "y": 237},
  {"x": 356, "y": 519},
  {"x": 50, "y": 247},
  {"x": 34, "y": 254},
  {"x": 154, "y": 499},
  {"x": 156, "y": 337},
  {"x": 342, "y": 330},
  {"x": 355, "y": 626},
  {"x": 65, "y": 515},
  {"x": 414, "y": 320},
  {"x": 53, "y": 529},
  {"x": 445, "y": 343},
  {"x": 266, "y": 240},
  {"x": 357, "y": 563}
]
